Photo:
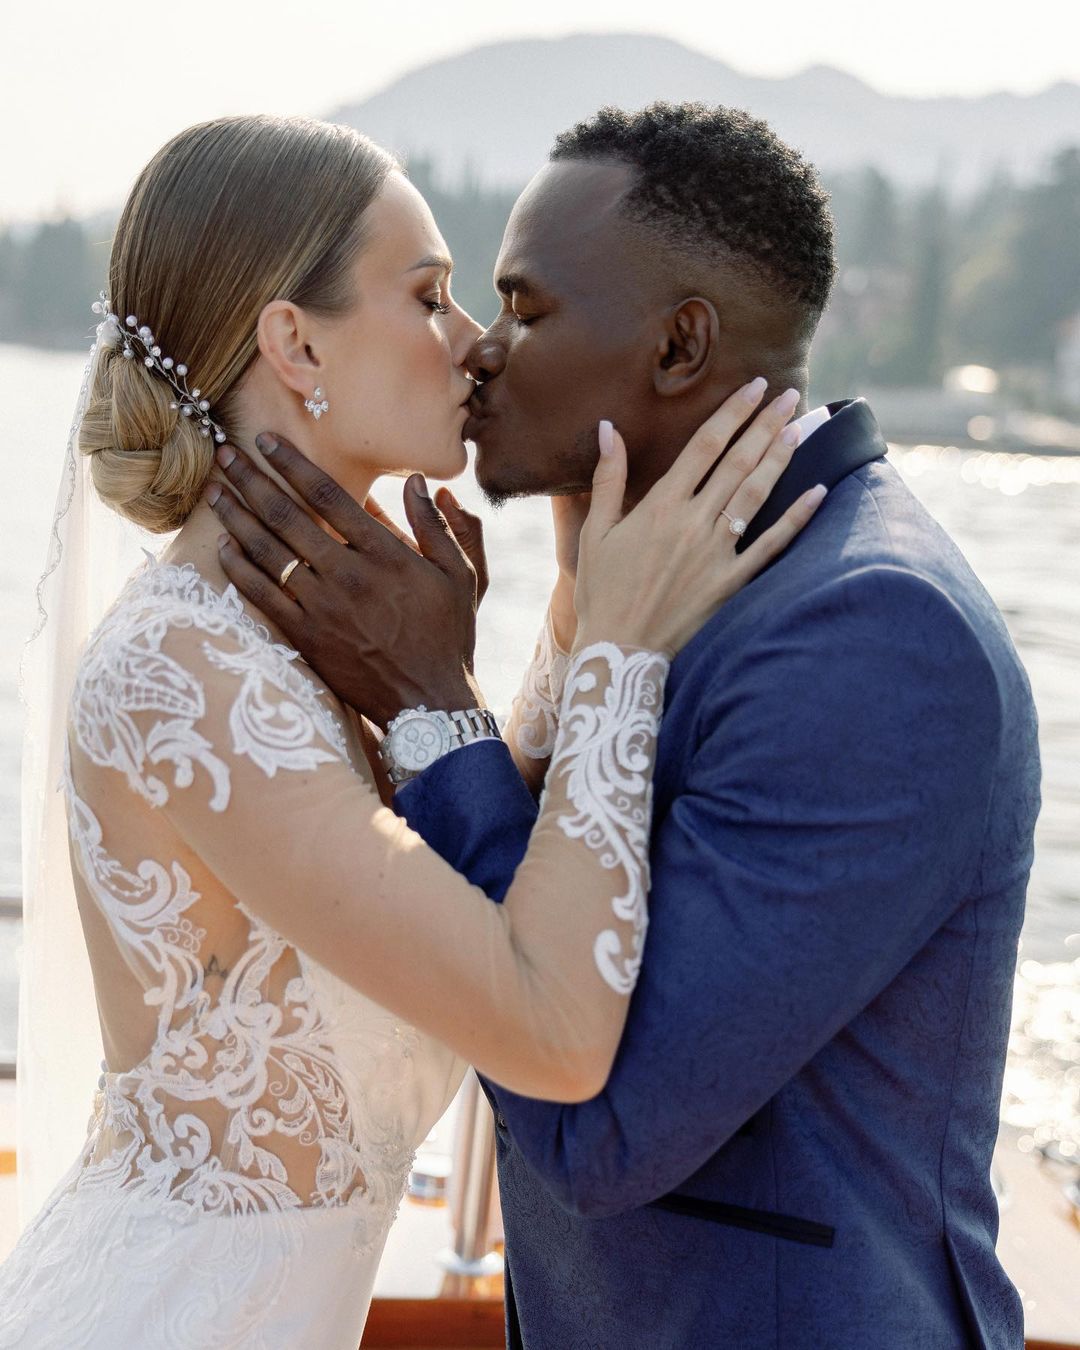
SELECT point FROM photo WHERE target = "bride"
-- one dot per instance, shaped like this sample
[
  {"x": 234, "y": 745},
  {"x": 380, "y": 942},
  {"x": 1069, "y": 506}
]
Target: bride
[{"x": 288, "y": 983}]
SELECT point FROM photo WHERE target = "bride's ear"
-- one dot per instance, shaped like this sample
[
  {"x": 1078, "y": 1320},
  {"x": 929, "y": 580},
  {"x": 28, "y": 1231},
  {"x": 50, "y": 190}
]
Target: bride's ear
[{"x": 288, "y": 343}]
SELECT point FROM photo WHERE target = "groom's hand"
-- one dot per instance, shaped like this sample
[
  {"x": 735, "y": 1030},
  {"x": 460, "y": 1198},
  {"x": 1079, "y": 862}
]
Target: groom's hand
[{"x": 387, "y": 624}]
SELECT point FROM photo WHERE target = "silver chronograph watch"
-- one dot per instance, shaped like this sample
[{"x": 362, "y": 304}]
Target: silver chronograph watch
[{"x": 416, "y": 738}]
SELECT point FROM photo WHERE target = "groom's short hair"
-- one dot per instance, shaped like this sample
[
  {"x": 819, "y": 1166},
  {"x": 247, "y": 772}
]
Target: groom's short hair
[{"x": 716, "y": 184}]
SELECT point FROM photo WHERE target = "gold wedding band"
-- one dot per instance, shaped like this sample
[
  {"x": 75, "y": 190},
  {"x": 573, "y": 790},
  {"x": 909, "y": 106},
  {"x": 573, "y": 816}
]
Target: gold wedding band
[
  {"x": 287, "y": 571},
  {"x": 736, "y": 524}
]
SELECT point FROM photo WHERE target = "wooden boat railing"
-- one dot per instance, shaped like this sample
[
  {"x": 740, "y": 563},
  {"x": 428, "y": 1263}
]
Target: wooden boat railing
[{"x": 463, "y": 1324}]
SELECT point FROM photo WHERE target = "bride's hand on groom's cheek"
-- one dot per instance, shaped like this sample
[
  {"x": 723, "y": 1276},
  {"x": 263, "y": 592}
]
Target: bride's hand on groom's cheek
[
  {"x": 386, "y": 622},
  {"x": 568, "y": 515}
]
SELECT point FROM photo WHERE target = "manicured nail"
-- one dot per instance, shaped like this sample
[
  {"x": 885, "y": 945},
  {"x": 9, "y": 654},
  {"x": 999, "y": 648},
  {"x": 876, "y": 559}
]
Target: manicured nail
[
  {"x": 753, "y": 391},
  {"x": 787, "y": 402},
  {"x": 213, "y": 492},
  {"x": 815, "y": 496},
  {"x": 420, "y": 487},
  {"x": 225, "y": 456},
  {"x": 606, "y": 436},
  {"x": 266, "y": 443},
  {"x": 222, "y": 540},
  {"x": 792, "y": 435}
]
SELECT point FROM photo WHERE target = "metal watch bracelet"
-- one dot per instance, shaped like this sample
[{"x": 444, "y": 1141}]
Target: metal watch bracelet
[{"x": 417, "y": 737}]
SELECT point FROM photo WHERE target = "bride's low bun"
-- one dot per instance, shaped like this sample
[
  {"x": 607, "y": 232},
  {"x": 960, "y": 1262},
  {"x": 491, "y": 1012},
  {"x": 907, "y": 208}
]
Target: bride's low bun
[
  {"x": 147, "y": 461},
  {"x": 228, "y": 216}
]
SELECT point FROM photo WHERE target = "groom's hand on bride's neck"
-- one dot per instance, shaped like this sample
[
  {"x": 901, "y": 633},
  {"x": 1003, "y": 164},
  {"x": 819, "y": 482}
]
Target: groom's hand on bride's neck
[{"x": 386, "y": 622}]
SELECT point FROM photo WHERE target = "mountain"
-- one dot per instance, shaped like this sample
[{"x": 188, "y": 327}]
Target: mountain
[{"x": 492, "y": 112}]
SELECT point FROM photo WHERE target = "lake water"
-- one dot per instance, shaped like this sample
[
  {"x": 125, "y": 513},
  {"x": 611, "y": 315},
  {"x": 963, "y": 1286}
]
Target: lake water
[{"x": 1017, "y": 518}]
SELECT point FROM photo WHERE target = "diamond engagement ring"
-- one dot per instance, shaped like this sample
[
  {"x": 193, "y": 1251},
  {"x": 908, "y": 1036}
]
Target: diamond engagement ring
[
  {"x": 287, "y": 571},
  {"x": 736, "y": 524}
]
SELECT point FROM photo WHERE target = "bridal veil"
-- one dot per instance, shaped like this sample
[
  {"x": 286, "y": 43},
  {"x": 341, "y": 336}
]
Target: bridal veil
[{"x": 91, "y": 551}]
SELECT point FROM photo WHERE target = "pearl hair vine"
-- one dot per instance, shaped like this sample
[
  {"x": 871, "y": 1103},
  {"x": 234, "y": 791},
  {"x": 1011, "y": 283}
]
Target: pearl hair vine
[{"x": 133, "y": 335}]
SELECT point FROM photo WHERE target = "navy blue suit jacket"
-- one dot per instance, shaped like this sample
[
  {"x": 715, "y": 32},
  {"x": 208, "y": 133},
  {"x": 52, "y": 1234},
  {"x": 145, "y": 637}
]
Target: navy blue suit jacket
[{"x": 793, "y": 1148}]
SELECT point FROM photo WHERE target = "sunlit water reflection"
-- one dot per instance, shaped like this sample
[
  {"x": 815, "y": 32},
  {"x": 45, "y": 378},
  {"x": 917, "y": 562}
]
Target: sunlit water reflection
[{"x": 1017, "y": 518}]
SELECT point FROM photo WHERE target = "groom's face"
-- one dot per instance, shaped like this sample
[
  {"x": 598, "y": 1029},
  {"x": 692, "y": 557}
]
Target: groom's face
[{"x": 574, "y": 341}]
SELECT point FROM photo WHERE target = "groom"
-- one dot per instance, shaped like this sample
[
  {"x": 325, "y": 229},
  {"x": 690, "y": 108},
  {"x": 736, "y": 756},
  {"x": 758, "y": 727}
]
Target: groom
[{"x": 794, "y": 1145}]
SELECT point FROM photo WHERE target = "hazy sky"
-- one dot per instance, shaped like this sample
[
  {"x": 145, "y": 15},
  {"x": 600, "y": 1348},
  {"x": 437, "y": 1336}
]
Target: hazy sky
[{"x": 90, "y": 91}]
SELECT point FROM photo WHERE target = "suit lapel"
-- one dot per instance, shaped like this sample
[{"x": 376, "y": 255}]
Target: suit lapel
[{"x": 848, "y": 440}]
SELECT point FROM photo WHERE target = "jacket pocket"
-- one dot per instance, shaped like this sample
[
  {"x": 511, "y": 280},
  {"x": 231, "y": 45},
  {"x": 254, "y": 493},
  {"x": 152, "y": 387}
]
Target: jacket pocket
[{"x": 784, "y": 1226}]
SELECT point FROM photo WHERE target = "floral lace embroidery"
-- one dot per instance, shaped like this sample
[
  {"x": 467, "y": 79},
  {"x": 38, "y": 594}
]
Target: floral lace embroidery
[
  {"x": 269, "y": 1068},
  {"x": 535, "y": 711},
  {"x": 604, "y": 751},
  {"x": 125, "y": 671}
]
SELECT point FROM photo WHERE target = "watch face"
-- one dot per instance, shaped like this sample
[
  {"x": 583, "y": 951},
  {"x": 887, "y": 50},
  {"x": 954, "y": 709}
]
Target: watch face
[{"x": 417, "y": 741}]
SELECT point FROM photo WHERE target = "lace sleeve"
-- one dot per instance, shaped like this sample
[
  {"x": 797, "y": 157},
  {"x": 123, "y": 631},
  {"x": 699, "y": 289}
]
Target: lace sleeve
[
  {"x": 534, "y": 715},
  {"x": 242, "y": 755}
]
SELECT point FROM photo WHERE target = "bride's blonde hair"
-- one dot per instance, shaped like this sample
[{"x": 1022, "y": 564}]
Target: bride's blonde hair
[{"x": 226, "y": 217}]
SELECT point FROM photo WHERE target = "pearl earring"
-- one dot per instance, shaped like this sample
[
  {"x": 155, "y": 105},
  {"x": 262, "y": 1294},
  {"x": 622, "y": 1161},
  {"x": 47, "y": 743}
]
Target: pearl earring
[{"x": 316, "y": 404}]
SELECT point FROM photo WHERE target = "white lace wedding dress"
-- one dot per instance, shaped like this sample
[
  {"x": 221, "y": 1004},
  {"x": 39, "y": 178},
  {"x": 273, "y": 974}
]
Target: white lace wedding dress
[
  {"x": 239, "y": 1178},
  {"x": 256, "y": 1117}
]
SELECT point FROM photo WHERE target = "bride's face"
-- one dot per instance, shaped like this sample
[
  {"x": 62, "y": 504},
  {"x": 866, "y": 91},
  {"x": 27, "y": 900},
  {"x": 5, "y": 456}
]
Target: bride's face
[{"x": 393, "y": 367}]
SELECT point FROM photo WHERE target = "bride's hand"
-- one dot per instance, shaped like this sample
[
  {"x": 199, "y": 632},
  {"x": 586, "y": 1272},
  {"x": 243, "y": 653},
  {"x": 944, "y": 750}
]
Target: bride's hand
[
  {"x": 568, "y": 515},
  {"x": 652, "y": 578}
]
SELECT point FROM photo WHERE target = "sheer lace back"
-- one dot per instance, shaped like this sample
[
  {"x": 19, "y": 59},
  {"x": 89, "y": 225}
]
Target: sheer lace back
[{"x": 246, "y": 1077}]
